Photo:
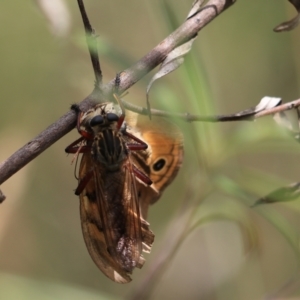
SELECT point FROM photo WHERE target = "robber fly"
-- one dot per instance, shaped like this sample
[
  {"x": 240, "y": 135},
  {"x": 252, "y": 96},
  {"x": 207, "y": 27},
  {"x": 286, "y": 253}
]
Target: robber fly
[{"x": 114, "y": 230}]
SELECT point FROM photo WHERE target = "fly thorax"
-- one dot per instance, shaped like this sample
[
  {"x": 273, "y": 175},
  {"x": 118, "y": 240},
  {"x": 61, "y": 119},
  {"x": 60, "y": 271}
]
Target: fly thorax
[{"x": 109, "y": 149}]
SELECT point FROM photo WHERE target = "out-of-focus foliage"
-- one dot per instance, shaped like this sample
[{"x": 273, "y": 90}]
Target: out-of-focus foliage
[
  {"x": 234, "y": 251},
  {"x": 290, "y": 25}
]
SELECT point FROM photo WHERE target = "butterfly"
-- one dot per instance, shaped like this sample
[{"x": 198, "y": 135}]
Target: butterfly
[{"x": 125, "y": 166}]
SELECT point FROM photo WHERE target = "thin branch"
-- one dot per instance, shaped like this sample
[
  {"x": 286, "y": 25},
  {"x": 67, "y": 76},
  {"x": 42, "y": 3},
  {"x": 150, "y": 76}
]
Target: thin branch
[
  {"x": 277, "y": 109},
  {"x": 41, "y": 142},
  {"x": 36, "y": 146},
  {"x": 184, "y": 33},
  {"x": 185, "y": 116},
  {"x": 91, "y": 40},
  {"x": 66, "y": 123},
  {"x": 217, "y": 118},
  {"x": 128, "y": 77}
]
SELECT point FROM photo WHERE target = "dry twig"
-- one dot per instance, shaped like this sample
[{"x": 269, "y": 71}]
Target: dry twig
[{"x": 128, "y": 77}]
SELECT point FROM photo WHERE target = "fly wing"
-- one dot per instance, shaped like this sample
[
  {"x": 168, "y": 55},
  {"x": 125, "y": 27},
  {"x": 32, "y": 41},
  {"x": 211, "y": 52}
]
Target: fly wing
[
  {"x": 94, "y": 226},
  {"x": 140, "y": 237},
  {"x": 114, "y": 232}
]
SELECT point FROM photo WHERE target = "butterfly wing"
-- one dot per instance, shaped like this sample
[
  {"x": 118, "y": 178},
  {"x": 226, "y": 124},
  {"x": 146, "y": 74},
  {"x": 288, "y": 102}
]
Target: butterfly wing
[{"x": 163, "y": 158}]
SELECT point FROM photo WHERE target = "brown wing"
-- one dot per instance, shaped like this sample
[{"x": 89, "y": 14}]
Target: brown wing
[
  {"x": 113, "y": 230},
  {"x": 163, "y": 158}
]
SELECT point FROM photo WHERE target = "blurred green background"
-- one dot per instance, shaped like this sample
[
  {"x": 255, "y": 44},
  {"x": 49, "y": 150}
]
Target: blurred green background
[{"x": 234, "y": 251}]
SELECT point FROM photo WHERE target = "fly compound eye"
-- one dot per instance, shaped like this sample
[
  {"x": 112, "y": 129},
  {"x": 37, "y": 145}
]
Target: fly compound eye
[
  {"x": 97, "y": 120},
  {"x": 112, "y": 117}
]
